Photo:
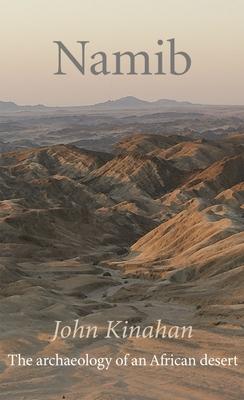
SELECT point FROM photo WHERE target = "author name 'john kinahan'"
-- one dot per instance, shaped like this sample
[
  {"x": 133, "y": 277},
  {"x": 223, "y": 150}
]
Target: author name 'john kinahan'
[{"x": 121, "y": 330}]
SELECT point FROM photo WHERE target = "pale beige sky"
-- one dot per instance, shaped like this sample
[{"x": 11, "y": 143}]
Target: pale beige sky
[{"x": 211, "y": 31}]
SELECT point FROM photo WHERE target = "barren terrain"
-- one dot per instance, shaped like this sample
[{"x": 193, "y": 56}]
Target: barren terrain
[{"x": 142, "y": 225}]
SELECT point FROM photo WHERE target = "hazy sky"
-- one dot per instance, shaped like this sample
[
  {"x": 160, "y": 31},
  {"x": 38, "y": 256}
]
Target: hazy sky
[{"x": 211, "y": 31}]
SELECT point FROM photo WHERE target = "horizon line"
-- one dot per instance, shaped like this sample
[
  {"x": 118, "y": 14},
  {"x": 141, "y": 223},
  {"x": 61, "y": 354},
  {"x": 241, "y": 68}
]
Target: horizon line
[{"x": 190, "y": 103}]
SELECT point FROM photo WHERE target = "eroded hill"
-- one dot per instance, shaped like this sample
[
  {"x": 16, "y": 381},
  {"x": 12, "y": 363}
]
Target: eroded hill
[{"x": 152, "y": 230}]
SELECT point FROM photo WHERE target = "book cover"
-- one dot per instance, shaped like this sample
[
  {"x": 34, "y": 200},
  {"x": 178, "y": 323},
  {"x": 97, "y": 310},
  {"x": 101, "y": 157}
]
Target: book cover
[{"x": 121, "y": 200}]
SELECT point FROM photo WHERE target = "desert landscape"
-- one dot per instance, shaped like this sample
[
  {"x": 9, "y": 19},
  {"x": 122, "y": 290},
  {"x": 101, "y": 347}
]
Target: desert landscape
[{"x": 127, "y": 210}]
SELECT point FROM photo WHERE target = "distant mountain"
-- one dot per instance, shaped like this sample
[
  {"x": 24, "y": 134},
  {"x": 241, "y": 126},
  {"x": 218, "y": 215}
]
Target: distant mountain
[
  {"x": 168, "y": 103},
  {"x": 123, "y": 103},
  {"x": 9, "y": 106},
  {"x": 134, "y": 102}
]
